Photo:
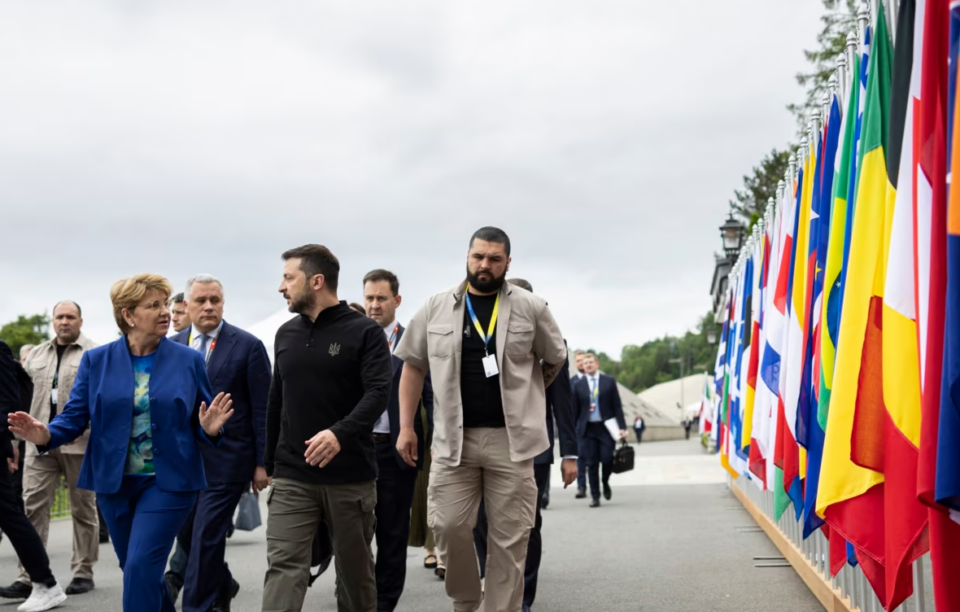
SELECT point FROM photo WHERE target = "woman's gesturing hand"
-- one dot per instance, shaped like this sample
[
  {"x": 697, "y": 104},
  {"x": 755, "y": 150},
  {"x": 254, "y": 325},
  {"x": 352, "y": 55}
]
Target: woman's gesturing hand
[
  {"x": 28, "y": 428},
  {"x": 213, "y": 418}
]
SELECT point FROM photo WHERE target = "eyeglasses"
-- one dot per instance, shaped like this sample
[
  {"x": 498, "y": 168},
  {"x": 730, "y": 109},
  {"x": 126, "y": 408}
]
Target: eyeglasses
[{"x": 154, "y": 306}]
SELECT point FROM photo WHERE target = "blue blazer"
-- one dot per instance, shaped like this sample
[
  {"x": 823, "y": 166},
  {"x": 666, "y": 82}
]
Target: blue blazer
[
  {"x": 102, "y": 397},
  {"x": 239, "y": 366},
  {"x": 610, "y": 406},
  {"x": 393, "y": 411}
]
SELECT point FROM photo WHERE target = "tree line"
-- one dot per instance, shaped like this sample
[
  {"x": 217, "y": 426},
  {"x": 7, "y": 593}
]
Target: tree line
[{"x": 651, "y": 363}]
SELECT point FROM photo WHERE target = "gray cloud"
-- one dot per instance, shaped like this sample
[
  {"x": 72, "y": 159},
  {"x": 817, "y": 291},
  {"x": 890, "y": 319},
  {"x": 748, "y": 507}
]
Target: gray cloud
[{"x": 180, "y": 137}]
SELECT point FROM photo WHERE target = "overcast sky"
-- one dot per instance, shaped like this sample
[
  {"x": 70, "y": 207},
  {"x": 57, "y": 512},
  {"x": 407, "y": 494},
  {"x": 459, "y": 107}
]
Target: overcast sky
[{"x": 182, "y": 137}]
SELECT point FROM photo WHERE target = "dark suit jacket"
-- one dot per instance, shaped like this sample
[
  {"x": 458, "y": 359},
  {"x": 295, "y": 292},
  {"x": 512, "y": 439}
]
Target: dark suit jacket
[
  {"x": 560, "y": 412},
  {"x": 610, "y": 406},
  {"x": 102, "y": 398},
  {"x": 393, "y": 410},
  {"x": 239, "y": 366}
]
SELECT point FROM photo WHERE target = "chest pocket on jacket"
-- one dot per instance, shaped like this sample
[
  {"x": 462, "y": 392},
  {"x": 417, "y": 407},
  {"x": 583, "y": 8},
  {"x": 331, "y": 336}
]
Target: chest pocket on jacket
[
  {"x": 520, "y": 338},
  {"x": 66, "y": 377},
  {"x": 440, "y": 341}
]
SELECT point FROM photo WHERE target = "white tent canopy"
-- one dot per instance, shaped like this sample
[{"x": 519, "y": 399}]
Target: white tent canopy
[{"x": 266, "y": 330}]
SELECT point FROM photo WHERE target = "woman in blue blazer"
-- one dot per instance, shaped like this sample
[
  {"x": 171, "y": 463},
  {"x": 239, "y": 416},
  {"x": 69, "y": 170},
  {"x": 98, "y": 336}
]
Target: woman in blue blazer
[{"x": 145, "y": 400}]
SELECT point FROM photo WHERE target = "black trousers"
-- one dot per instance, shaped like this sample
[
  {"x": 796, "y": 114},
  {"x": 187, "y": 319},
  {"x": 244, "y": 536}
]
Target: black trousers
[
  {"x": 395, "y": 487},
  {"x": 204, "y": 540},
  {"x": 596, "y": 448},
  {"x": 23, "y": 537},
  {"x": 541, "y": 473}
]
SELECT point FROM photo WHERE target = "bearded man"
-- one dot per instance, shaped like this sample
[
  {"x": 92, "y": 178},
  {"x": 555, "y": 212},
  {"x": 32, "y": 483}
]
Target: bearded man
[{"x": 491, "y": 349}]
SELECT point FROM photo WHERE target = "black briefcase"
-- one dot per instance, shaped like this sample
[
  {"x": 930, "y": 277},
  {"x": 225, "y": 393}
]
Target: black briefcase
[{"x": 623, "y": 458}]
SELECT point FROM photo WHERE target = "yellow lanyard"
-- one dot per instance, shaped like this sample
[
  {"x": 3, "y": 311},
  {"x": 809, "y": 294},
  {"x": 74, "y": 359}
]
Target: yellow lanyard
[{"x": 476, "y": 322}]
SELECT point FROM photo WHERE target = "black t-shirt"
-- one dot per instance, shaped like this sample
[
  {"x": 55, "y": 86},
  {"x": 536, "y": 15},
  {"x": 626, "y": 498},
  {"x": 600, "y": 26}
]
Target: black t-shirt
[
  {"x": 54, "y": 406},
  {"x": 482, "y": 402}
]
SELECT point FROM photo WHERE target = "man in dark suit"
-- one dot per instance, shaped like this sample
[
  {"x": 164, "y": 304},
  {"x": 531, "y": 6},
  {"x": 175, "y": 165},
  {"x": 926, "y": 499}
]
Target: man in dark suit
[
  {"x": 559, "y": 412},
  {"x": 581, "y": 466},
  {"x": 396, "y": 480},
  {"x": 237, "y": 363},
  {"x": 596, "y": 401}
]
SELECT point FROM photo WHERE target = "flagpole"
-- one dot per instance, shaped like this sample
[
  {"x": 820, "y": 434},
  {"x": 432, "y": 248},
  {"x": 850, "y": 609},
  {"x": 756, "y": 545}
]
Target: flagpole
[
  {"x": 890, "y": 11},
  {"x": 852, "y": 44},
  {"x": 863, "y": 20},
  {"x": 841, "y": 75},
  {"x": 781, "y": 190}
]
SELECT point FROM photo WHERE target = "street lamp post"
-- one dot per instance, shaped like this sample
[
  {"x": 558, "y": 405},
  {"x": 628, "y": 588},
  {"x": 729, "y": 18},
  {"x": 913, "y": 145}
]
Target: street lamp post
[{"x": 732, "y": 232}]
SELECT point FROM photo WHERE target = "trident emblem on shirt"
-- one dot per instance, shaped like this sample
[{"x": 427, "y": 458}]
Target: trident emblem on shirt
[{"x": 334, "y": 349}]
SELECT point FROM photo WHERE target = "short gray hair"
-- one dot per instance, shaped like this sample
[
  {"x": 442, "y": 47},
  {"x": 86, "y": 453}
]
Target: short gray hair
[{"x": 203, "y": 279}]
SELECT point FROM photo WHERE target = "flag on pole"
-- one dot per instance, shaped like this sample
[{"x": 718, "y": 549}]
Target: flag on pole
[
  {"x": 930, "y": 206},
  {"x": 759, "y": 450},
  {"x": 833, "y": 288},
  {"x": 850, "y": 497},
  {"x": 752, "y": 359},
  {"x": 784, "y": 444},
  {"x": 794, "y": 463},
  {"x": 948, "y": 449},
  {"x": 887, "y": 424},
  {"x": 864, "y": 66},
  {"x": 820, "y": 233}
]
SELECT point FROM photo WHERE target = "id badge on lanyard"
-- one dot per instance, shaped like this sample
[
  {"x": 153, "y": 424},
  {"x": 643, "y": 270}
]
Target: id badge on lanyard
[{"x": 490, "y": 361}]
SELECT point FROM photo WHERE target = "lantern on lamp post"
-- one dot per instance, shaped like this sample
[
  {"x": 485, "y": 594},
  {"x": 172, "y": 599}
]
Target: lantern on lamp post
[{"x": 732, "y": 234}]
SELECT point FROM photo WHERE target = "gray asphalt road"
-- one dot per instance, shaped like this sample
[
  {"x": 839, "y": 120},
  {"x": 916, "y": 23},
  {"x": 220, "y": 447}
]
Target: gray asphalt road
[{"x": 663, "y": 548}]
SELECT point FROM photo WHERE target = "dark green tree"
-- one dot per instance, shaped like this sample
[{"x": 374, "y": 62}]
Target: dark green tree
[
  {"x": 26, "y": 330},
  {"x": 760, "y": 185},
  {"x": 839, "y": 20},
  {"x": 643, "y": 366}
]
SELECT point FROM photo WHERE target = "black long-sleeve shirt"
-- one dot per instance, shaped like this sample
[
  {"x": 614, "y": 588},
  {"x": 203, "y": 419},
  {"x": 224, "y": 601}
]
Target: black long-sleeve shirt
[
  {"x": 10, "y": 398},
  {"x": 334, "y": 374}
]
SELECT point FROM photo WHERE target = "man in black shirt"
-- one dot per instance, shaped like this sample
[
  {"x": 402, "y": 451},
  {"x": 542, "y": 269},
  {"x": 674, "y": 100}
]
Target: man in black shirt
[
  {"x": 22, "y": 535},
  {"x": 52, "y": 367},
  {"x": 491, "y": 350},
  {"x": 331, "y": 382}
]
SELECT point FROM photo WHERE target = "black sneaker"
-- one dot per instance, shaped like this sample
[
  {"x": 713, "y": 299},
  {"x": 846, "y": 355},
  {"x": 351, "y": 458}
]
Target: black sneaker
[
  {"x": 581, "y": 493},
  {"x": 17, "y": 590},
  {"x": 594, "y": 503},
  {"x": 104, "y": 536},
  {"x": 607, "y": 492},
  {"x": 78, "y": 586}
]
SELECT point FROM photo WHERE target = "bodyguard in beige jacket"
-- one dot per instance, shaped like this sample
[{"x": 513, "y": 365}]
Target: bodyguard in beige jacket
[
  {"x": 491, "y": 349},
  {"x": 52, "y": 367}
]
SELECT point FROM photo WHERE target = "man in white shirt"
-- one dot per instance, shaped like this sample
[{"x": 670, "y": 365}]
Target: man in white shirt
[
  {"x": 396, "y": 480},
  {"x": 596, "y": 401}
]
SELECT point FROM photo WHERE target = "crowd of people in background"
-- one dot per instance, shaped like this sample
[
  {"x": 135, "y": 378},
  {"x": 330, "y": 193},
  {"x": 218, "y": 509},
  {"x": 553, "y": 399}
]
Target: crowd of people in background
[{"x": 438, "y": 435}]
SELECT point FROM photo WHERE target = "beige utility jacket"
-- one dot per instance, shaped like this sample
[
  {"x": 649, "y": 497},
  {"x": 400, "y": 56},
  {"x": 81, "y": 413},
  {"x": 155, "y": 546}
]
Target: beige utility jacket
[
  {"x": 42, "y": 366},
  {"x": 526, "y": 333}
]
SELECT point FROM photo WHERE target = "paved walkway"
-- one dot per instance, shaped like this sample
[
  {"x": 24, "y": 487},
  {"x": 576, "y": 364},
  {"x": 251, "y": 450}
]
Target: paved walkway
[{"x": 667, "y": 542}]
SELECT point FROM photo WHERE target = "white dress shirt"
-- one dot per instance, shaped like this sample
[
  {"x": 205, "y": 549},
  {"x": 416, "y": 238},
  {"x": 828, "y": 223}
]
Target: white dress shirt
[
  {"x": 382, "y": 426},
  {"x": 196, "y": 339}
]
